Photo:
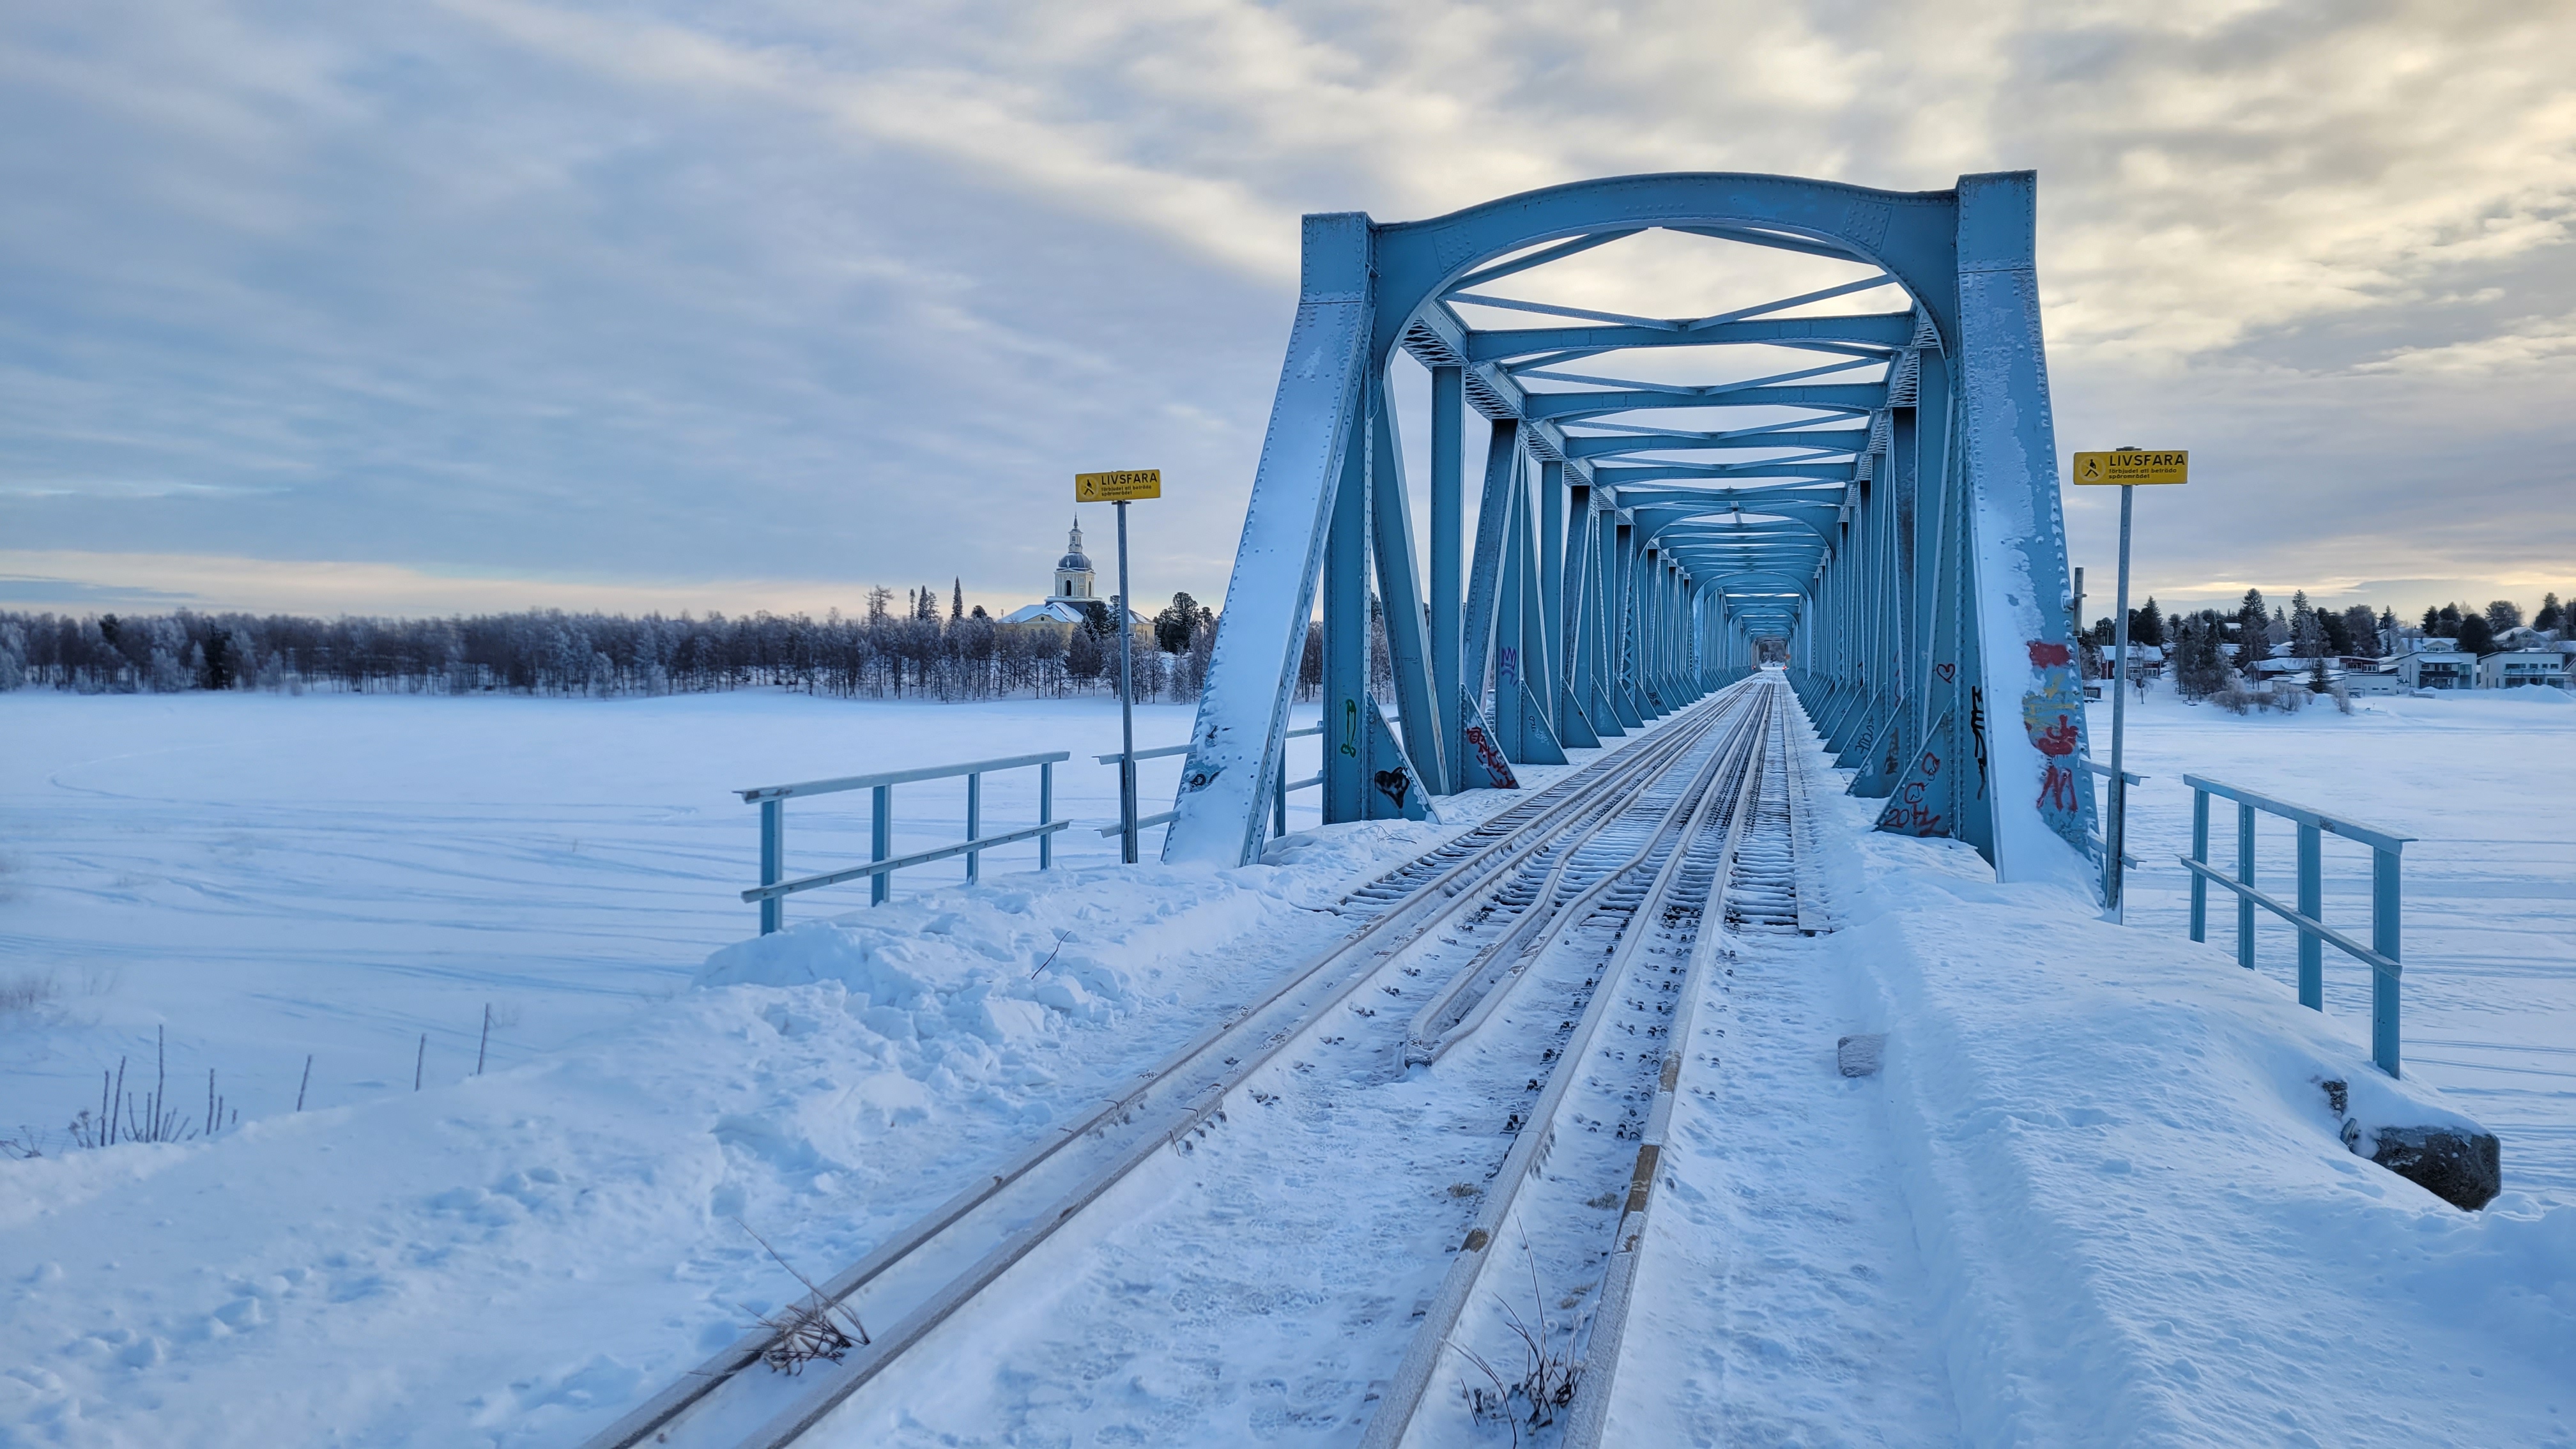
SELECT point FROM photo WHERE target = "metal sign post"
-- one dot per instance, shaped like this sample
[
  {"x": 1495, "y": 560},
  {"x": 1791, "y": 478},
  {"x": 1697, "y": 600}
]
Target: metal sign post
[
  {"x": 1118, "y": 489},
  {"x": 2127, "y": 468}
]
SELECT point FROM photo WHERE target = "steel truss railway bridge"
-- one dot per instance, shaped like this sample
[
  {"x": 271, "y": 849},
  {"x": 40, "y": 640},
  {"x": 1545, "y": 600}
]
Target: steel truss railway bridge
[
  {"x": 1868, "y": 495},
  {"x": 1892, "y": 533}
]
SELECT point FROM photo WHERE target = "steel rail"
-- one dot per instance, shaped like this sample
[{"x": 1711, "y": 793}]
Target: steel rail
[
  {"x": 1650, "y": 754},
  {"x": 1558, "y": 923},
  {"x": 1476, "y": 870},
  {"x": 1403, "y": 1398},
  {"x": 1598, "y": 1345},
  {"x": 1543, "y": 915},
  {"x": 864, "y": 1365}
]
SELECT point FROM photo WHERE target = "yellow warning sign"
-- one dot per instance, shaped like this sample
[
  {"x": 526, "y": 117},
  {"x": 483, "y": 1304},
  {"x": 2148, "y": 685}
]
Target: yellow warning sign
[
  {"x": 1118, "y": 487},
  {"x": 2133, "y": 465}
]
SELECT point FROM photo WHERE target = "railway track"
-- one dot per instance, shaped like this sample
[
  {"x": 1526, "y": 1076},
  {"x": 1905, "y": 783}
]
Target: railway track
[
  {"x": 1522, "y": 930},
  {"x": 1530, "y": 1316}
]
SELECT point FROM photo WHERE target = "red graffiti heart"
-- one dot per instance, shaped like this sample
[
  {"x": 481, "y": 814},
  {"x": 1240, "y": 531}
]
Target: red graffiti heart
[{"x": 1948, "y": 672}]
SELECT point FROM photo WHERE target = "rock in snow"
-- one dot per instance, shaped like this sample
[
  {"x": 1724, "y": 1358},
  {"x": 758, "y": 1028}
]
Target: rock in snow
[{"x": 2442, "y": 1152}]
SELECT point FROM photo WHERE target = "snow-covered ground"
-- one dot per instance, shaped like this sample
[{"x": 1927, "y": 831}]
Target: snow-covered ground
[
  {"x": 338, "y": 875},
  {"x": 513, "y": 1258},
  {"x": 2480, "y": 780},
  {"x": 2097, "y": 1195},
  {"x": 2091, "y": 1195}
]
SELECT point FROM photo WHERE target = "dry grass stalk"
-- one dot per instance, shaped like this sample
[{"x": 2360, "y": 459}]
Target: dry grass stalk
[
  {"x": 808, "y": 1329},
  {"x": 1548, "y": 1375}
]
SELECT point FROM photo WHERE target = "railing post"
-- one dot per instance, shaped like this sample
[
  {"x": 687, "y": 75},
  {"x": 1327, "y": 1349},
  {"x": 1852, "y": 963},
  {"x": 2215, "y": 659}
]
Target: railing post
[
  {"x": 881, "y": 844},
  {"x": 773, "y": 861},
  {"x": 2384, "y": 940},
  {"x": 2312, "y": 904},
  {"x": 974, "y": 824},
  {"x": 1279, "y": 795},
  {"x": 2199, "y": 852},
  {"x": 1046, "y": 814},
  {"x": 2244, "y": 876}
]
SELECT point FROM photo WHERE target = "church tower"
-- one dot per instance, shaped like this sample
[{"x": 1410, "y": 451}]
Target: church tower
[{"x": 1073, "y": 571}]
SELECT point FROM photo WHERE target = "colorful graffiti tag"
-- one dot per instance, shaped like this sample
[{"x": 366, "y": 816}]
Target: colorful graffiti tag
[
  {"x": 2052, "y": 714},
  {"x": 1497, "y": 769}
]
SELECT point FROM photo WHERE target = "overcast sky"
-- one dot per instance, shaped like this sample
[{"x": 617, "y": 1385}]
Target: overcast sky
[{"x": 493, "y": 303}]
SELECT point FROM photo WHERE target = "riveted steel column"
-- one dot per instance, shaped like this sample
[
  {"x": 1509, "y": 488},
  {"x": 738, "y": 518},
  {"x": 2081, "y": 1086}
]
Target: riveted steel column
[
  {"x": 1237, "y": 739},
  {"x": 1408, "y": 643},
  {"x": 1482, "y": 624},
  {"x": 1448, "y": 520},
  {"x": 1346, "y": 643},
  {"x": 1551, "y": 582}
]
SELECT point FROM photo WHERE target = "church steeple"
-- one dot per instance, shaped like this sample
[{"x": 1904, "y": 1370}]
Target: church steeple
[{"x": 1073, "y": 571}]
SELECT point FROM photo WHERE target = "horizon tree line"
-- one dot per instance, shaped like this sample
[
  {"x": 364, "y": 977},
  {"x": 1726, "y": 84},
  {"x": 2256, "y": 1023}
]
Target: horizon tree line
[{"x": 916, "y": 650}]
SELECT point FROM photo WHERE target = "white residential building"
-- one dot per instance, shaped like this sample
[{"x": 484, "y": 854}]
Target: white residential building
[
  {"x": 2443, "y": 668},
  {"x": 2523, "y": 666}
]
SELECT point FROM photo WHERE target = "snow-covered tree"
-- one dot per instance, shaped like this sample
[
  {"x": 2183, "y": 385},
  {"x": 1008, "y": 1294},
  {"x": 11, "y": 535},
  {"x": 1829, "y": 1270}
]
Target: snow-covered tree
[{"x": 2251, "y": 628}]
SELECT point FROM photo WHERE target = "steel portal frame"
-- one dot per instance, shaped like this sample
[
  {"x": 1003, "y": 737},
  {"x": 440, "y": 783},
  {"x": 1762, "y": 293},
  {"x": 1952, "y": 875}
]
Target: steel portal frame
[{"x": 1899, "y": 540}]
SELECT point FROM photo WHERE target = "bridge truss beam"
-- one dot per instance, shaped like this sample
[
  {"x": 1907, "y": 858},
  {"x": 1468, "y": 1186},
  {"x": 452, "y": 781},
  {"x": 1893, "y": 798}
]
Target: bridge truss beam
[{"x": 1896, "y": 537}]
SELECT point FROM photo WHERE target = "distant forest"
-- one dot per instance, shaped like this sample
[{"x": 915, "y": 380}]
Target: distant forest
[{"x": 904, "y": 646}]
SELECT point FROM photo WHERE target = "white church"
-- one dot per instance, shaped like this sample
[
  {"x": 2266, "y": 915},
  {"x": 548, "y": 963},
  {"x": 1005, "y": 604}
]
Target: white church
[{"x": 1073, "y": 589}]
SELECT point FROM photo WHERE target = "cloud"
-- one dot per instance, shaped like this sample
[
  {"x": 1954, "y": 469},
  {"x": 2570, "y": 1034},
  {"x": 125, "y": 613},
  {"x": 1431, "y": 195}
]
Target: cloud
[
  {"x": 2527, "y": 349},
  {"x": 216, "y": 582},
  {"x": 35, "y": 590},
  {"x": 813, "y": 291}
]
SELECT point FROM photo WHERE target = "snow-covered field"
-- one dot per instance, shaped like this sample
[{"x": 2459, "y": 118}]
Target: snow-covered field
[
  {"x": 511, "y": 1259},
  {"x": 2089, "y": 1195},
  {"x": 337, "y": 875}
]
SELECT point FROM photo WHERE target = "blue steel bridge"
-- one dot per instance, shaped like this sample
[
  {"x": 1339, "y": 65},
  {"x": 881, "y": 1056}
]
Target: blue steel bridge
[
  {"x": 1851, "y": 474},
  {"x": 1856, "y": 478}
]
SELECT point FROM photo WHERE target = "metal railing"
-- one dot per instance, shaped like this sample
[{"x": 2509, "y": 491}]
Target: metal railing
[
  {"x": 774, "y": 888},
  {"x": 1280, "y": 785},
  {"x": 2380, "y": 955},
  {"x": 2095, "y": 834}
]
